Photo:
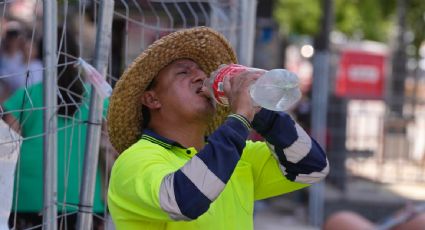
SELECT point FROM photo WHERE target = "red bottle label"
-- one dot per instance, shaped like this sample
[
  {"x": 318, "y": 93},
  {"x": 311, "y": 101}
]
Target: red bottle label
[{"x": 231, "y": 70}]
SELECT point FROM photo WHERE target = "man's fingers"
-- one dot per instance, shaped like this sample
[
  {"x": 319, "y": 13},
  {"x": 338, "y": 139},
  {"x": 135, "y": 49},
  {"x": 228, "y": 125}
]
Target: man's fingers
[
  {"x": 227, "y": 87},
  {"x": 240, "y": 82}
]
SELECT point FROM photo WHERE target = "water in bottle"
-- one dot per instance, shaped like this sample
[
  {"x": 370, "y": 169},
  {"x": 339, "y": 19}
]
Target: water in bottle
[{"x": 277, "y": 89}]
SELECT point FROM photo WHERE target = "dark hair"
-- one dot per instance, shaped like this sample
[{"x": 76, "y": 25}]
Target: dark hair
[
  {"x": 71, "y": 88},
  {"x": 12, "y": 34}
]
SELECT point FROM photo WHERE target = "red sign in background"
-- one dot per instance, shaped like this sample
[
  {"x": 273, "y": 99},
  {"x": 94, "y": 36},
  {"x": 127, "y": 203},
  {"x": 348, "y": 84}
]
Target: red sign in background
[{"x": 361, "y": 75}]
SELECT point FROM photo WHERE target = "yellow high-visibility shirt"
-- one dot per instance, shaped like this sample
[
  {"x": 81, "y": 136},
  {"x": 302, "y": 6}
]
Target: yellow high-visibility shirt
[{"x": 159, "y": 184}]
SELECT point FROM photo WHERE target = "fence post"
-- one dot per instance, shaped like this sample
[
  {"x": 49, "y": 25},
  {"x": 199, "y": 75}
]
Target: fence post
[
  {"x": 246, "y": 39},
  {"x": 224, "y": 19},
  {"x": 319, "y": 110},
  {"x": 49, "y": 116},
  {"x": 91, "y": 155},
  {"x": 320, "y": 93}
]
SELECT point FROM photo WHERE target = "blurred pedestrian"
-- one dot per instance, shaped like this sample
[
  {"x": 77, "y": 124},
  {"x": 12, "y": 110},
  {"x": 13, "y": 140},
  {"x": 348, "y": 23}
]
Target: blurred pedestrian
[
  {"x": 348, "y": 220},
  {"x": 33, "y": 66},
  {"x": 24, "y": 112},
  {"x": 168, "y": 176},
  {"x": 11, "y": 58}
]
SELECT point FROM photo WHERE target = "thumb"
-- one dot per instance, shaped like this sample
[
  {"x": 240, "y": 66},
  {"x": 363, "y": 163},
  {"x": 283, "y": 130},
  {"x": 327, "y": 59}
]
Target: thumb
[{"x": 227, "y": 86}]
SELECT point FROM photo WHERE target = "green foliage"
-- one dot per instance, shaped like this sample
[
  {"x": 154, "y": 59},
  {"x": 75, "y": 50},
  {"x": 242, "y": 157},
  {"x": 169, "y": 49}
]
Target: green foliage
[
  {"x": 347, "y": 17},
  {"x": 366, "y": 17},
  {"x": 369, "y": 18},
  {"x": 415, "y": 19},
  {"x": 298, "y": 16}
]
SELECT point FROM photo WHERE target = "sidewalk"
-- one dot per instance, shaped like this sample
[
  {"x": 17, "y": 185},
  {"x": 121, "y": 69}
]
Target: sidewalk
[
  {"x": 376, "y": 201},
  {"x": 271, "y": 220},
  {"x": 281, "y": 213}
]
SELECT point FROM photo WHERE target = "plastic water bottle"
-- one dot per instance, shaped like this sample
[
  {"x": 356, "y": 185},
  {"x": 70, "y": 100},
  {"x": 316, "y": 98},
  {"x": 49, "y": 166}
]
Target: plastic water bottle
[{"x": 277, "y": 89}]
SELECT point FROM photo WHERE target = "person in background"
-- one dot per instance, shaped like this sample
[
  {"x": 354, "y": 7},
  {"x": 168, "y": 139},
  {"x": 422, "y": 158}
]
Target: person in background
[
  {"x": 168, "y": 175},
  {"x": 11, "y": 58},
  {"x": 23, "y": 114},
  {"x": 348, "y": 220},
  {"x": 33, "y": 66}
]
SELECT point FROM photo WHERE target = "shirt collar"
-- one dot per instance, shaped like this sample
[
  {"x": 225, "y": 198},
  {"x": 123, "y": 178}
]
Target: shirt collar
[{"x": 153, "y": 137}]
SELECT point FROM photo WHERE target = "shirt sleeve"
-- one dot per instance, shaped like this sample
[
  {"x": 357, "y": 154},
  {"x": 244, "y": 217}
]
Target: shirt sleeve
[
  {"x": 105, "y": 107},
  {"x": 16, "y": 103},
  {"x": 269, "y": 181},
  {"x": 300, "y": 158},
  {"x": 151, "y": 187},
  {"x": 135, "y": 181}
]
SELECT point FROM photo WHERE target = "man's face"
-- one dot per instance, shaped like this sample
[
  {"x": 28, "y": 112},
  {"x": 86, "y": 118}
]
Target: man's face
[
  {"x": 13, "y": 41},
  {"x": 179, "y": 89}
]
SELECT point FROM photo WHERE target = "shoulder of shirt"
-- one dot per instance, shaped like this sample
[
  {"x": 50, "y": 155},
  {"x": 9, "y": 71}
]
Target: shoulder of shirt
[
  {"x": 144, "y": 146},
  {"x": 34, "y": 91}
]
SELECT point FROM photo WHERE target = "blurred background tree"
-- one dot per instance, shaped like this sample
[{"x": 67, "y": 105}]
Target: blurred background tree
[
  {"x": 369, "y": 19},
  {"x": 415, "y": 18},
  {"x": 357, "y": 19},
  {"x": 363, "y": 19},
  {"x": 298, "y": 17}
]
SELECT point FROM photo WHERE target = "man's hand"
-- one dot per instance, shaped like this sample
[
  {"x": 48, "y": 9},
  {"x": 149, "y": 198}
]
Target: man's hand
[{"x": 237, "y": 91}]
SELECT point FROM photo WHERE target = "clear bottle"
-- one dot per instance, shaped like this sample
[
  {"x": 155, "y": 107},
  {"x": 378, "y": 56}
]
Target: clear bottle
[{"x": 277, "y": 89}]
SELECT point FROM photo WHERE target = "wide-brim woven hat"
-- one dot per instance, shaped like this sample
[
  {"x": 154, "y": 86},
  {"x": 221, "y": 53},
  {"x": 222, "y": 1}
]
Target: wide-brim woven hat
[{"x": 203, "y": 45}]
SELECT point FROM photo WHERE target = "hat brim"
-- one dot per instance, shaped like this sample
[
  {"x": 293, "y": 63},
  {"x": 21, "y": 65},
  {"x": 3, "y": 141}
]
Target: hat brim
[{"x": 206, "y": 47}]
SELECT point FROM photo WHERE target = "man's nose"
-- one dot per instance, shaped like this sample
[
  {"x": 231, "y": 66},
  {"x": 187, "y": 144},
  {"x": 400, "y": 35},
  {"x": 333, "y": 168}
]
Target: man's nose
[{"x": 199, "y": 75}]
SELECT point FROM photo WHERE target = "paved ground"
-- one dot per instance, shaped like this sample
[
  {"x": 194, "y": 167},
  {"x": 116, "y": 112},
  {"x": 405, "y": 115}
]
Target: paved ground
[
  {"x": 270, "y": 220},
  {"x": 281, "y": 213},
  {"x": 375, "y": 201}
]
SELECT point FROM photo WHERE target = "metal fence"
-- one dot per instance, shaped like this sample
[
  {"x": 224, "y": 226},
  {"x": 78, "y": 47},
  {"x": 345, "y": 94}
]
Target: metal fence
[
  {"x": 377, "y": 154},
  {"x": 41, "y": 83}
]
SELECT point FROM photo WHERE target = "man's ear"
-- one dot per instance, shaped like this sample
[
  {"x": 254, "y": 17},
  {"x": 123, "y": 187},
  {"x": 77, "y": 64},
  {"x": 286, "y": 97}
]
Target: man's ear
[{"x": 150, "y": 100}]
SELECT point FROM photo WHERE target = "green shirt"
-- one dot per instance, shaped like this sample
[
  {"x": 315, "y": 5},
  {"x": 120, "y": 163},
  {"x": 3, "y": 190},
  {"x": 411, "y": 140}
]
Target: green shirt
[{"x": 27, "y": 108}]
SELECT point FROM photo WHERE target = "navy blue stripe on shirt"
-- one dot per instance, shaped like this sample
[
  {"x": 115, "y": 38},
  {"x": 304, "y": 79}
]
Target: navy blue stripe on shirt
[
  {"x": 283, "y": 133},
  {"x": 220, "y": 155},
  {"x": 279, "y": 130},
  {"x": 224, "y": 148},
  {"x": 312, "y": 162},
  {"x": 271, "y": 124},
  {"x": 192, "y": 203}
]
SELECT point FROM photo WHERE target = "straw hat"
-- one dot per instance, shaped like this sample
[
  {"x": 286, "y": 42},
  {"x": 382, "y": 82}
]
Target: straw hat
[{"x": 206, "y": 47}]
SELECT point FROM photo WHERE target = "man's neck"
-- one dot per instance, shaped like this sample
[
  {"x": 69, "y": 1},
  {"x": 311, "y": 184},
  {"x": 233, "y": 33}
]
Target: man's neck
[{"x": 186, "y": 134}]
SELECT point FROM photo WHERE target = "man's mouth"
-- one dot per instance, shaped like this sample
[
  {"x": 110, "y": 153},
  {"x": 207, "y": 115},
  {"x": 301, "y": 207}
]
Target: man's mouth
[
  {"x": 204, "y": 92},
  {"x": 199, "y": 90}
]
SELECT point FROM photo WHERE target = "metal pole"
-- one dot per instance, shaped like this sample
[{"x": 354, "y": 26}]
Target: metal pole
[
  {"x": 318, "y": 130},
  {"x": 225, "y": 19},
  {"x": 399, "y": 67},
  {"x": 103, "y": 43},
  {"x": 49, "y": 116},
  {"x": 247, "y": 32},
  {"x": 321, "y": 66}
]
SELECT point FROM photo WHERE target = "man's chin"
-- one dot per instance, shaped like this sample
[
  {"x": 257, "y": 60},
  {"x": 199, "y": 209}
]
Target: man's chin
[
  {"x": 211, "y": 102},
  {"x": 209, "y": 112}
]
